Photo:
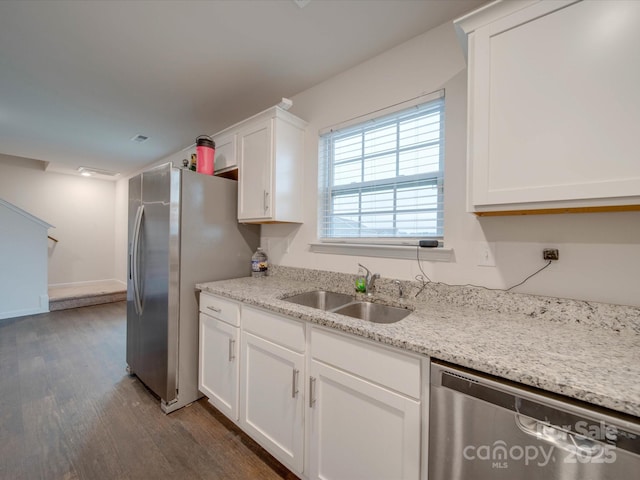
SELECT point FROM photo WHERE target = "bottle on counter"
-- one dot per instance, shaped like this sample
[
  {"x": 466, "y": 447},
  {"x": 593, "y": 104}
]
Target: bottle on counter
[
  {"x": 361, "y": 282},
  {"x": 259, "y": 263}
]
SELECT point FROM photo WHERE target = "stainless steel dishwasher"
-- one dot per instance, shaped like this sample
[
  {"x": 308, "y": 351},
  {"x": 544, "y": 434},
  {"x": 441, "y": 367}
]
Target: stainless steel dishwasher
[{"x": 481, "y": 428}]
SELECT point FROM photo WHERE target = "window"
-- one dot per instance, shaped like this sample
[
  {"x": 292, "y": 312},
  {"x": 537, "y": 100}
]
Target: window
[{"x": 381, "y": 180}]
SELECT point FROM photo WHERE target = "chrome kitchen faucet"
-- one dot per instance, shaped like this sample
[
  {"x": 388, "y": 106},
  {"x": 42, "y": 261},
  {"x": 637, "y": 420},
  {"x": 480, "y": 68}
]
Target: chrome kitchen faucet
[{"x": 370, "y": 280}]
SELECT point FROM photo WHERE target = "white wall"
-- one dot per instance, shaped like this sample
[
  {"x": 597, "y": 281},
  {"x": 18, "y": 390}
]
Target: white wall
[
  {"x": 82, "y": 209},
  {"x": 599, "y": 253},
  {"x": 23, "y": 264},
  {"x": 121, "y": 229}
]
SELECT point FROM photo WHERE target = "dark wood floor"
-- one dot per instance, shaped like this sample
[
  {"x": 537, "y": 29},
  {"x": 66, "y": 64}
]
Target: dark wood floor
[{"x": 68, "y": 410}]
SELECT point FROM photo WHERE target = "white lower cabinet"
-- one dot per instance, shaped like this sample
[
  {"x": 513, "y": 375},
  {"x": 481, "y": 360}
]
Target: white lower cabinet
[
  {"x": 362, "y": 402},
  {"x": 272, "y": 387},
  {"x": 360, "y": 429},
  {"x": 218, "y": 364}
]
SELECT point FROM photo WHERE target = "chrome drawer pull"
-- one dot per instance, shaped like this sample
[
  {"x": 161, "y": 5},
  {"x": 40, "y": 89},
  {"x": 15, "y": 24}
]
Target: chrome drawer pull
[{"x": 215, "y": 309}]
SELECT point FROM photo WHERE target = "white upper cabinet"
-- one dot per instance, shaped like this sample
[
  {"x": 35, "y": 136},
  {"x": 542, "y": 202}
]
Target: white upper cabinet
[
  {"x": 268, "y": 150},
  {"x": 554, "y": 106},
  {"x": 225, "y": 156},
  {"x": 270, "y": 168},
  {"x": 255, "y": 201}
]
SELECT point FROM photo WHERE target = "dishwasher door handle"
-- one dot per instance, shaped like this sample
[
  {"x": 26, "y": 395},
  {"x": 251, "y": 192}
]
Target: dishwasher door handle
[{"x": 558, "y": 437}]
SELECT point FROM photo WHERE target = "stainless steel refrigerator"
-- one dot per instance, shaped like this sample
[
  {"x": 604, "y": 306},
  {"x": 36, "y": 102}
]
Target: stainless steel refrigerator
[{"x": 183, "y": 229}]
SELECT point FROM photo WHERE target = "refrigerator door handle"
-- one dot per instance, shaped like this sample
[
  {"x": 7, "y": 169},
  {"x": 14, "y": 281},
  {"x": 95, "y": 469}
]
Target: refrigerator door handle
[{"x": 135, "y": 248}]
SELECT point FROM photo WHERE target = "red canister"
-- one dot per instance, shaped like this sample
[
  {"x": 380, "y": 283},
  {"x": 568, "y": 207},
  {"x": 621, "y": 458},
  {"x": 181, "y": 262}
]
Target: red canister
[{"x": 205, "y": 151}]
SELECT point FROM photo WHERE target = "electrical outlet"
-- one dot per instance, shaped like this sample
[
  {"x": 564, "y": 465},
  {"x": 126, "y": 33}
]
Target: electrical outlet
[
  {"x": 550, "y": 254},
  {"x": 487, "y": 254}
]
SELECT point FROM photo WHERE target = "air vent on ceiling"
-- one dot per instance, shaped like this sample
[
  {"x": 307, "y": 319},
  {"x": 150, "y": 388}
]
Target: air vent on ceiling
[{"x": 140, "y": 138}]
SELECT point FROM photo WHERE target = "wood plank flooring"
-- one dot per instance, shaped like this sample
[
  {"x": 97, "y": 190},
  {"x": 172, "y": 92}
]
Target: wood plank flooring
[{"x": 68, "y": 410}]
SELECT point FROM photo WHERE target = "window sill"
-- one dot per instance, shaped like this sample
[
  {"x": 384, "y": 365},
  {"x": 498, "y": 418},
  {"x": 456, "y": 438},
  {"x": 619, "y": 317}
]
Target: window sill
[{"x": 438, "y": 254}]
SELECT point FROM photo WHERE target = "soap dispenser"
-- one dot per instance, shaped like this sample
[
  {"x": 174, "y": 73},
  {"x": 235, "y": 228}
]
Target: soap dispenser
[{"x": 361, "y": 281}]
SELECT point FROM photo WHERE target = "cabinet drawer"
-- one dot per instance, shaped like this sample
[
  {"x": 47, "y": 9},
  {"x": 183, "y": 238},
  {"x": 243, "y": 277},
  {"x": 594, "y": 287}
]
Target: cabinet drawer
[
  {"x": 281, "y": 330},
  {"x": 226, "y": 310},
  {"x": 391, "y": 369}
]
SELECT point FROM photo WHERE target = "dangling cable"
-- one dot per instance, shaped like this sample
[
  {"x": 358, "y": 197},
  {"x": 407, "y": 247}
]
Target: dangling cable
[
  {"x": 534, "y": 273},
  {"x": 421, "y": 278}
]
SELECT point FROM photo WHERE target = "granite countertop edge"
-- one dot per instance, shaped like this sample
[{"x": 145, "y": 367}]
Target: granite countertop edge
[{"x": 507, "y": 345}]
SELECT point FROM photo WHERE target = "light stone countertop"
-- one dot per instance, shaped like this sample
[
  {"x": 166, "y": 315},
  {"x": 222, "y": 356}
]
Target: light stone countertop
[{"x": 583, "y": 350}]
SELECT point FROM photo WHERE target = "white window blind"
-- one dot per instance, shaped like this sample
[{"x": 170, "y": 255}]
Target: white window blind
[{"x": 382, "y": 179}]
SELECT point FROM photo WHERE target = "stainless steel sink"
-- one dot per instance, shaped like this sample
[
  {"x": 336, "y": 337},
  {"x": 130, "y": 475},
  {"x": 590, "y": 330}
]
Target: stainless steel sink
[
  {"x": 373, "y": 312},
  {"x": 321, "y": 299},
  {"x": 347, "y": 305}
]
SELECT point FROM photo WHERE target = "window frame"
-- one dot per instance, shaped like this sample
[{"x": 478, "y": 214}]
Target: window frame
[{"x": 395, "y": 115}]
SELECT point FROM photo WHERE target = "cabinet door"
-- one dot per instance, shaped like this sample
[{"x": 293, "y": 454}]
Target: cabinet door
[
  {"x": 360, "y": 430},
  {"x": 272, "y": 399},
  {"x": 255, "y": 170},
  {"x": 218, "y": 364},
  {"x": 554, "y": 106},
  {"x": 225, "y": 156}
]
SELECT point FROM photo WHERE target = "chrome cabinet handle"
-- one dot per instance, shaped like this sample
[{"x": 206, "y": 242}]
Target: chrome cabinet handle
[
  {"x": 266, "y": 201},
  {"x": 294, "y": 383},
  {"x": 215, "y": 309},
  {"x": 231, "y": 354},
  {"x": 312, "y": 392}
]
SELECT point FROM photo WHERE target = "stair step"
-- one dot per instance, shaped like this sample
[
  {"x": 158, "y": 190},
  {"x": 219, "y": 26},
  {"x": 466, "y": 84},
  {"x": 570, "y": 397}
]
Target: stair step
[
  {"x": 86, "y": 300},
  {"x": 84, "y": 295}
]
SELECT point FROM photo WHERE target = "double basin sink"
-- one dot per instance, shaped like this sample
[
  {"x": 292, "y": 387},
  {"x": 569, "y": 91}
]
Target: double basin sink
[{"x": 349, "y": 306}]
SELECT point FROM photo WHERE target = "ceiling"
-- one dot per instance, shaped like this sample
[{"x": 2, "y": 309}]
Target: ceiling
[{"x": 79, "y": 79}]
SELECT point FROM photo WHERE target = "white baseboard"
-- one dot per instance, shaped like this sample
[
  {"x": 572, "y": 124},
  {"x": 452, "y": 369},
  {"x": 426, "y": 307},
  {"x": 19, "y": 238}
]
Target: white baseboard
[{"x": 23, "y": 312}]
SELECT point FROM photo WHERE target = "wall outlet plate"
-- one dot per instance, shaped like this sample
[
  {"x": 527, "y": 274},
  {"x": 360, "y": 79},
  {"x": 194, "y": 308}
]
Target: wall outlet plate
[
  {"x": 487, "y": 254},
  {"x": 550, "y": 254}
]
